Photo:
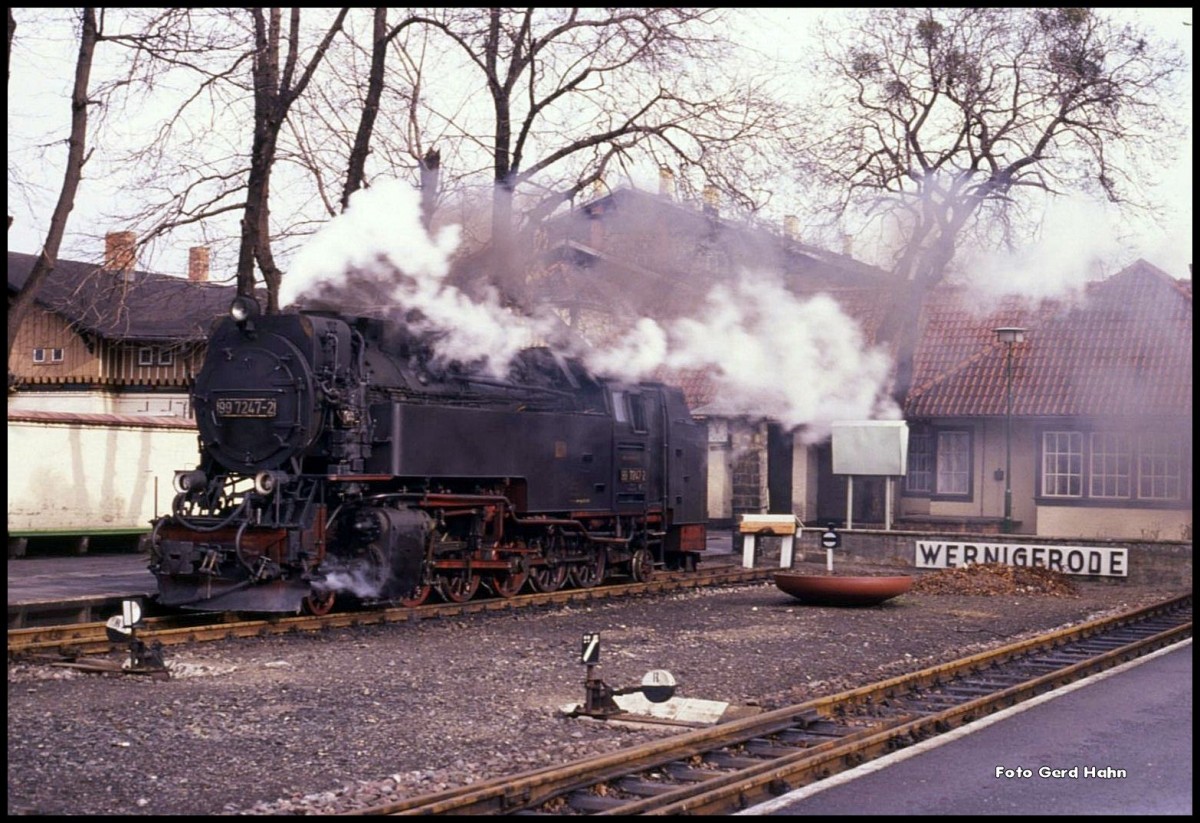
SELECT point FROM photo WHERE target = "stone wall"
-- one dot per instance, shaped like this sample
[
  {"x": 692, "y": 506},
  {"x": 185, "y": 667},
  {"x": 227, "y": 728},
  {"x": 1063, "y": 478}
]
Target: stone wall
[{"x": 1151, "y": 562}]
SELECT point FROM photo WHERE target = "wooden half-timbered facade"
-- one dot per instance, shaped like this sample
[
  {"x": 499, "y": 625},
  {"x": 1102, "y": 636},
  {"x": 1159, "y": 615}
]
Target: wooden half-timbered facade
[{"x": 108, "y": 338}]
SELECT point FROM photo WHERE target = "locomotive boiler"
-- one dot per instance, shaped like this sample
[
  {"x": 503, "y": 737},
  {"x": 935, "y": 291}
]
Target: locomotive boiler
[{"x": 340, "y": 460}]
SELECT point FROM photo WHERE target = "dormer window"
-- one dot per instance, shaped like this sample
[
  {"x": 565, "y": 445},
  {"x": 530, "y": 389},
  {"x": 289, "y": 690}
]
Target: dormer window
[{"x": 45, "y": 355}]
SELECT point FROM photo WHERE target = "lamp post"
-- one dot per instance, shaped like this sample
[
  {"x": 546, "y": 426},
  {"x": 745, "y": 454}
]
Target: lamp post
[{"x": 1008, "y": 335}]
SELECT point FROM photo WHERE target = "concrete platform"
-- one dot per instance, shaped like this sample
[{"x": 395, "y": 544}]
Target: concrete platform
[
  {"x": 90, "y": 587},
  {"x": 47, "y": 589}
]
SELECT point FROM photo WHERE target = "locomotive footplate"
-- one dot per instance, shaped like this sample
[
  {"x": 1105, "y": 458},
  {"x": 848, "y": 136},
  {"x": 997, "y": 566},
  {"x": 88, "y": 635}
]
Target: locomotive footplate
[{"x": 203, "y": 593}]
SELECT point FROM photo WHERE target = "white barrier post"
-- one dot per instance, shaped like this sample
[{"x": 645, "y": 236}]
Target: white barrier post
[
  {"x": 768, "y": 525},
  {"x": 748, "y": 552}
]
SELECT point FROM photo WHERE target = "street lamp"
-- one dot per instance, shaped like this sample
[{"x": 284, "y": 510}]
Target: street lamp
[{"x": 1008, "y": 335}]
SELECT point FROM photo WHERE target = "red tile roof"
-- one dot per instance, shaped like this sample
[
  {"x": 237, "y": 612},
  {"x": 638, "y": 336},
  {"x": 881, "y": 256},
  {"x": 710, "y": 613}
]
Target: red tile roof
[{"x": 1123, "y": 349}]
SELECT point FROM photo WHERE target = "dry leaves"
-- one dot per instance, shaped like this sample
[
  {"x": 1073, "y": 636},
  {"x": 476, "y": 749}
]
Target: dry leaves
[{"x": 995, "y": 578}]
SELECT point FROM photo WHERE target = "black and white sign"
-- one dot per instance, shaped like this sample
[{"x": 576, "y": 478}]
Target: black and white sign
[
  {"x": 658, "y": 686},
  {"x": 590, "y": 653},
  {"x": 831, "y": 539},
  {"x": 1084, "y": 560}
]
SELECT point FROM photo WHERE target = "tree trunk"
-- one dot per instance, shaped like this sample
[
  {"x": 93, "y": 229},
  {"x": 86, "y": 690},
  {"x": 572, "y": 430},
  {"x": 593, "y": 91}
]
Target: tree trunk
[{"x": 76, "y": 157}]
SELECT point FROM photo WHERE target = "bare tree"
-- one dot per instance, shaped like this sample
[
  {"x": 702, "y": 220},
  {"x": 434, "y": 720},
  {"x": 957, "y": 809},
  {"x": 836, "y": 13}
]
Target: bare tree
[
  {"x": 276, "y": 87},
  {"x": 955, "y": 116},
  {"x": 77, "y": 155},
  {"x": 382, "y": 38},
  {"x": 574, "y": 91},
  {"x": 12, "y": 30},
  {"x": 192, "y": 172}
]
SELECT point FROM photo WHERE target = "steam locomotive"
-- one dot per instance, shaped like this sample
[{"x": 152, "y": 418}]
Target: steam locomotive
[{"x": 340, "y": 460}]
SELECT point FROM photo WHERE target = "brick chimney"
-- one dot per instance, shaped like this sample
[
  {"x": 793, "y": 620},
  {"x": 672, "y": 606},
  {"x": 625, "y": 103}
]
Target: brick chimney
[
  {"x": 712, "y": 199},
  {"x": 198, "y": 264},
  {"x": 791, "y": 227},
  {"x": 666, "y": 182},
  {"x": 120, "y": 252}
]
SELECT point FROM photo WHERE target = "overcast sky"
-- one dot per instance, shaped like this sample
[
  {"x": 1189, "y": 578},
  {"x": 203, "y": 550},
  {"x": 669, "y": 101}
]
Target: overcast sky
[{"x": 38, "y": 105}]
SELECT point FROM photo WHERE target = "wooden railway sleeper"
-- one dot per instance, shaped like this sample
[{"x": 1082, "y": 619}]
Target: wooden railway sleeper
[
  {"x": 644, "y": 788},
  {"x": 684, "y": 773}
]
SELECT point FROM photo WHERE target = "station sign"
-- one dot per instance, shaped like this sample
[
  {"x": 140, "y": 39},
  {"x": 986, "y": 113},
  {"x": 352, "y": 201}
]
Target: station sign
[{"x": 1103, "y": 561}]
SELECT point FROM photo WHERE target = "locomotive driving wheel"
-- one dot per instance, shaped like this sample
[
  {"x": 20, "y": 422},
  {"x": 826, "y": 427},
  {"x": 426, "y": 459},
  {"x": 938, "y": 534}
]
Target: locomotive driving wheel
[
  {"x": 641, "y": 565},
  {"x": 552, "y": 574},
  {"x": 590, "y": 572},
  {"x": 319, "y": 603},
  {"x": 509, "y": 584},
  {"x": 457, "y": 585},
  {"x": 416, "y": 596}
]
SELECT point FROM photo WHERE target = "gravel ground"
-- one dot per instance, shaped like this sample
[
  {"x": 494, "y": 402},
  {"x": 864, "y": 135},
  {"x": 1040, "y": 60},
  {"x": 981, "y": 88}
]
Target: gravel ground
[{"x": 350, "y": 718}]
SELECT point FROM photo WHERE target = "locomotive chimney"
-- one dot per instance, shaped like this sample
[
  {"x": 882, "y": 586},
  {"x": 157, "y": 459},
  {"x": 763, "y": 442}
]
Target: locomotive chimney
[
  {"x": 666, "y": 182},
  {"x": 198, "y": 264},
  {"x": 120, "y": 252},
  {"x": 791, "y": 227},
  {"x": 431, "y": 171}
]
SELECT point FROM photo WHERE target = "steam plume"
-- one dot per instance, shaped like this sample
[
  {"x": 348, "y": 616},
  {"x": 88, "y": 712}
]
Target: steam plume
[{"x": 800, "y": 361}]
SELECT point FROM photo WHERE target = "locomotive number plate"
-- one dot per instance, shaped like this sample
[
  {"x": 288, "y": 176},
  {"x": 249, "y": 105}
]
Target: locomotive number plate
[{"x": 246, "y": 407}]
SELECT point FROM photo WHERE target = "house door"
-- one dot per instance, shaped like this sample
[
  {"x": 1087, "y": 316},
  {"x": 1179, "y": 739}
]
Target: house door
[
  {"x": 831, "y": 489},
  {"x": 831, "y": 494},
  {"x": 779, "y": 470}
]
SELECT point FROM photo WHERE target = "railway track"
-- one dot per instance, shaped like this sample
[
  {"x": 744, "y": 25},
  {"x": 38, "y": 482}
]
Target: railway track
[
  {"x": 738, "y": 764},
  {"x": 77, "y": 639}
]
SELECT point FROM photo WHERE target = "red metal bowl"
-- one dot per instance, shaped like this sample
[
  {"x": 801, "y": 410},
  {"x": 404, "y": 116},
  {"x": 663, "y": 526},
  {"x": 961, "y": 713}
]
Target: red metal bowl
[{"x": 833, "y": 590}]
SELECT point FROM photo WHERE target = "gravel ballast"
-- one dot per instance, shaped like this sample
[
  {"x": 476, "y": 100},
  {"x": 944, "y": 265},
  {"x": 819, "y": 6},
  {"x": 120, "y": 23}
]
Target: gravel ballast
[{"x": 314, "y": 724}]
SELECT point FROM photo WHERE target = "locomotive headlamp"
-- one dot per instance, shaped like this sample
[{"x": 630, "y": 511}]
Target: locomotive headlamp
[
  {"x": 267, "y": 482},
  {"x": 243, "y": 308},
  {"x": 187, "y": 481}
]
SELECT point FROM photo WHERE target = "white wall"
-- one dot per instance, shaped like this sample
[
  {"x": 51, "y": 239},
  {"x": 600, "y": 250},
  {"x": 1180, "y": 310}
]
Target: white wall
[
  {"x": 92, "y": 477},
  {"x": 100, "y": 402}
]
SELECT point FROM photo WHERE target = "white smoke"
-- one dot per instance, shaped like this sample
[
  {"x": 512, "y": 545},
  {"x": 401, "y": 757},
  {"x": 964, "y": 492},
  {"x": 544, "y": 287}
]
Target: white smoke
[
  {"x": 359, "y": 582},
  {"x": 800, "y": 361},
  {"x": 380, "y": 235},
  {"x": 770, "y": 353},
  {"x": 1078, "y": 237}
]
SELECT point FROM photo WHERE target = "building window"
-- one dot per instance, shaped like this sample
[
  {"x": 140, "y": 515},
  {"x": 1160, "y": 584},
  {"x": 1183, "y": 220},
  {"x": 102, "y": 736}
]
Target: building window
[
  {"x": 954, "y": 462},
  {"x": 1110, "y": 465},
  {"x": 1159, "y": 467},
  {"x": 919, "y": 479},
  {"x": 939, "y": 462},
  {"x": 1062, "y": 464},
  {"x": 1116, "y": 466},
  {"x": 146, "y": 356},
  {"x": 44, "y": 355},
  {"x": 165, "y": 357}
]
